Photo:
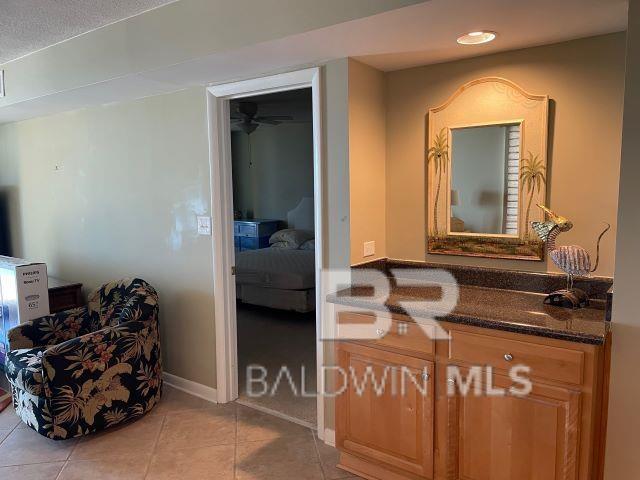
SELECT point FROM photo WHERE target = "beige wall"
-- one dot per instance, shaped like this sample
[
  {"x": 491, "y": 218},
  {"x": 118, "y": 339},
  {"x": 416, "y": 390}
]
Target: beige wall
[
  {"x": 584, "y": 79},
  {"x": 336, "y": 192},
  {"x": 367, "y": 145},
  {"x": 622, "y": 459},
  {"x": 133, "y": 178},
  {"x": 336, "y": 149}
]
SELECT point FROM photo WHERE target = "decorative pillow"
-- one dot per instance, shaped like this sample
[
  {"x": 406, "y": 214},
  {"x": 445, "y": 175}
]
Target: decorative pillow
[
  {"x": 308, "y": 245},
  {"x": 292, "y": 237}
]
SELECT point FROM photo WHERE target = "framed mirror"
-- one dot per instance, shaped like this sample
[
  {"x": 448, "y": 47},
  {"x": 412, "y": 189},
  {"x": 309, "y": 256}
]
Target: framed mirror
[{"x": 486, "y": 170}]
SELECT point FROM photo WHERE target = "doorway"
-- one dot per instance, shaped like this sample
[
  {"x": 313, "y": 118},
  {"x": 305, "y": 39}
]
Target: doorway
[{"x": 262, "y": 320}]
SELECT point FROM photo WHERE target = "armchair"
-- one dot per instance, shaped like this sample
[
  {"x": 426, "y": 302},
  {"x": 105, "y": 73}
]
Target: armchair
[{"x": 89, "y": 368}]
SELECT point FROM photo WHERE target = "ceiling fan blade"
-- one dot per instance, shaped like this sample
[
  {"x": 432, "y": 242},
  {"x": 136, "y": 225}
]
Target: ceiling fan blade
[
  {"x": 280, "y": 118},
  {"x": 263, "y": 121}
]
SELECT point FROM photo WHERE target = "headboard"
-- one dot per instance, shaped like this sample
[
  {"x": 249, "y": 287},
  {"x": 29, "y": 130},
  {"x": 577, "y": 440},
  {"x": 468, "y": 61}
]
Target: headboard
[{"x": 301, "y": 217}]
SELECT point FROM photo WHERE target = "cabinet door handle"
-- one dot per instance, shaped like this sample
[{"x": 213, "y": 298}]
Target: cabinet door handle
[
  {"x": 426, "y": 376},
  {"x": 451, "y": 381},
  {"x": 508, "y": 357},
  {"x": 379, "y": 332}
]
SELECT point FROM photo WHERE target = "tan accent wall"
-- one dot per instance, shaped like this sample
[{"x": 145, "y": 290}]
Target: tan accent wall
[
  {"x": 622, "y": 459},
  {"x": 367, "y": 158},
  {"x": 585, "y": 82}
]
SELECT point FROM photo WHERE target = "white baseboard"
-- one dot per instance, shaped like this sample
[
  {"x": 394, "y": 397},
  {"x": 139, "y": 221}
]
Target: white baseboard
[
  {"x": 330, "y": 437},
  {"x": 194, "y": 388}
]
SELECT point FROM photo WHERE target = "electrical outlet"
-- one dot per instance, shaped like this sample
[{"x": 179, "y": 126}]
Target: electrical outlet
[
  {"x": 369, "y": 249},
  {"x": 204, "y": 225}
]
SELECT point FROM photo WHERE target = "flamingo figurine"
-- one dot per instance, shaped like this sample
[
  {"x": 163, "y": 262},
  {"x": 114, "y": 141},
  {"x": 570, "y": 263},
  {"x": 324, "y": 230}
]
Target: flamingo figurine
[{"x": 571, "y": 259}]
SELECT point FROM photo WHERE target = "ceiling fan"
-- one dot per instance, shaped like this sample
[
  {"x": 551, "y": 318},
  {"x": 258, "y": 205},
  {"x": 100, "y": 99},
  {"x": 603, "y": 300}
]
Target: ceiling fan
[{"x": 247, "y": 119}]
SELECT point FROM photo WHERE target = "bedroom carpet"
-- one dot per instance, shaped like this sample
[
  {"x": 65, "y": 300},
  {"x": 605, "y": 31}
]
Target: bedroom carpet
[{"x": 273, "y": 339}]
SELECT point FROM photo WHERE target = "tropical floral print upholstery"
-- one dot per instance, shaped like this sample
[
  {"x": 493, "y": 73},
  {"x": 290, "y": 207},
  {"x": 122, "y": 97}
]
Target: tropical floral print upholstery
[
  {"x": 25, "y": 369},
  {"x": 90, "y": 368}
]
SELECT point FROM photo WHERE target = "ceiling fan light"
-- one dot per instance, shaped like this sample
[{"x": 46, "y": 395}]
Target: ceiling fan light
[{"x": 476, "y": 38}]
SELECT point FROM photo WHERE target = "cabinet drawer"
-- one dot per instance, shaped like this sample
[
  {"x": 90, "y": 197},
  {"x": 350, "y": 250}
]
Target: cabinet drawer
[
  {"x": 248, "y": 243},
  {"x": 408, "y": 337},
  {"x": 246, "y": 230},
  {"x": 554, "y": 363}
]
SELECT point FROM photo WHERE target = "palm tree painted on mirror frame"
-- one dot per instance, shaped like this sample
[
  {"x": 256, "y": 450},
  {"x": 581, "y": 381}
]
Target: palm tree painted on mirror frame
[
  {"x": 439, "y": 155},
  {"x": 532, "y": 177}
]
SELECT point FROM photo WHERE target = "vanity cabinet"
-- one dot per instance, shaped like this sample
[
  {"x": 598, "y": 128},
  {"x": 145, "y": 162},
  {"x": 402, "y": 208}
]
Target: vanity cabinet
[
  {"x": 512, "y": 437},
  {"x": 553, "y": 433},
  {"x": 394, "y": 428}
]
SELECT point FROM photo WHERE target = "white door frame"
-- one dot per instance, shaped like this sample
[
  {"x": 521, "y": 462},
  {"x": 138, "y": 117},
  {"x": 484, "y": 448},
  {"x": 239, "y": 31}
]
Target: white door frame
[{"x": 218, "y": 97}]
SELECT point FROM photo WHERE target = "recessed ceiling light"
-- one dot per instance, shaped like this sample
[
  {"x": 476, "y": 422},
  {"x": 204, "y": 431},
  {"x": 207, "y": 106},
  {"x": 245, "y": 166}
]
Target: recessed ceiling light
[{"x": 476, "y": 38}]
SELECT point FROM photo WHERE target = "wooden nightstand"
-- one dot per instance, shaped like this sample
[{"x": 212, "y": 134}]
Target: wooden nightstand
[{"x": 64, "y": 295}]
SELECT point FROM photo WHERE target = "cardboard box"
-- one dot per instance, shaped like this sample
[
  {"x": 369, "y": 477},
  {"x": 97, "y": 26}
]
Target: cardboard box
[{"x": 24, "y": 295}]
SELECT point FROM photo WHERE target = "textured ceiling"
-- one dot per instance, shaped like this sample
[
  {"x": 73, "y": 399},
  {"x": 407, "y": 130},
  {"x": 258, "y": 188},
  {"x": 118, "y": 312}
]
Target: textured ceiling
[{"x": 29, "y": 25}]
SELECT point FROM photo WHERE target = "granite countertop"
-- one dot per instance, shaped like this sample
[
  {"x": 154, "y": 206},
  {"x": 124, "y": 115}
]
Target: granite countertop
[{"x": 501, "y": 309}]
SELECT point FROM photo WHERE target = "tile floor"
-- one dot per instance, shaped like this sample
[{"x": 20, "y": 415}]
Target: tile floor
[{"x": 184, "y": 437}]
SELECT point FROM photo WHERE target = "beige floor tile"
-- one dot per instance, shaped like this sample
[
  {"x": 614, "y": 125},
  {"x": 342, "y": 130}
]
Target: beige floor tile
[
  {"x": 197, "y": 463},
  {"x": 328, "y": 461},
  {"x": 4, "y": 434},
  {"x": 39, "y": 471},
  {"x": 8, "y": 419},
  {"x": 174, "y": 400},
  {"x": 133, "y": 439},
  {"x": 254, "y": 425},
  {"x": 24, "y": 446},
  {"x": 127, "y": 468},
  {"x": 199, "y": 428},
  {"x": 279, "y": 458}
]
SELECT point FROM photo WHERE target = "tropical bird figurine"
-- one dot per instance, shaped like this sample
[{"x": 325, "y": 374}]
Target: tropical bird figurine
[{"x": 571, "y": 259}]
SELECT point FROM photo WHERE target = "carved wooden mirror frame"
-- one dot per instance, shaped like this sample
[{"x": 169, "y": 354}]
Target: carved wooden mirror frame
[{"x": 488, "y": 101}]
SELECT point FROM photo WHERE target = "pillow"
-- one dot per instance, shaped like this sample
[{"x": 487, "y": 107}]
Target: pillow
[
  {"x": 292, "y": 237},
  {"x": 281, "y": 245},
  {"x": 309, "y": 245}
]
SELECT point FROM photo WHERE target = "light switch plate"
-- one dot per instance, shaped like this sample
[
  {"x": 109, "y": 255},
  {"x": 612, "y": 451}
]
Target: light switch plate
[
  {"x": 204, "y": 225},
  {"x": 369, "y": 248}
]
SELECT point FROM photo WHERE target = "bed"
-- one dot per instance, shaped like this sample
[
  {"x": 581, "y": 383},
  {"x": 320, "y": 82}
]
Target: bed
[{"x": 282, "y": 278}]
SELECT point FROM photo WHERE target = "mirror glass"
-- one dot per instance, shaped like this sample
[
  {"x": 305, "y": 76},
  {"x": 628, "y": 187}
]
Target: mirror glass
[{"x": 484, "y": 195}]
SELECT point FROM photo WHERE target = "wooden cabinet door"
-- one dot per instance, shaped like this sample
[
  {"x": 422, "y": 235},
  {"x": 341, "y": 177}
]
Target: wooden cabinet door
[
  {"x": 533, "y": 437},
  {"x": 389, "y": 422}
]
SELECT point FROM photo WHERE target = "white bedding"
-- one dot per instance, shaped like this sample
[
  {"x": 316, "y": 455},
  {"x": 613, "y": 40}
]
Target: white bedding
[{"x": 282, "y": 268}]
